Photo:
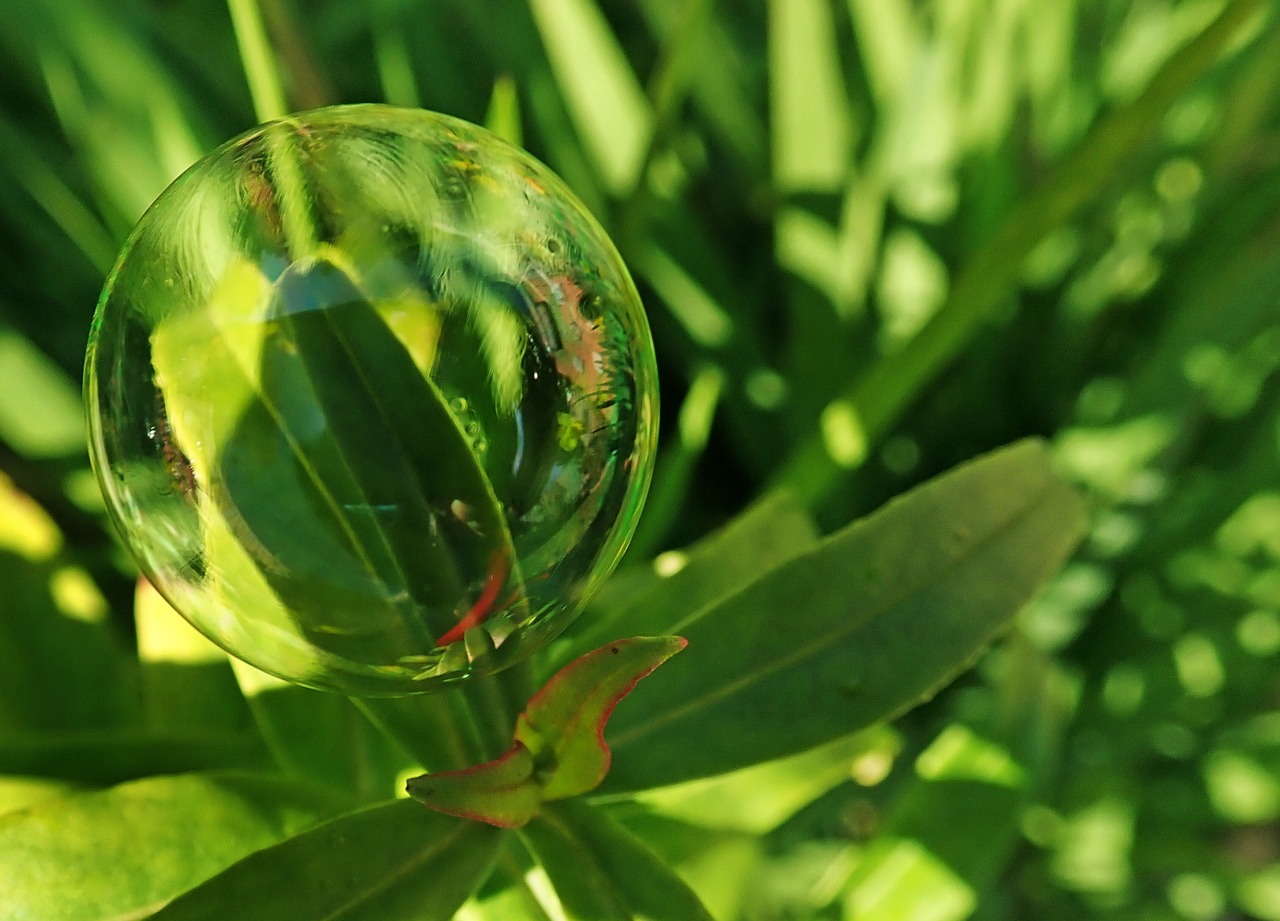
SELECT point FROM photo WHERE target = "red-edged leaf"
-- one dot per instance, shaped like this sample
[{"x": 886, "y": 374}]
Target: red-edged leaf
[
  {"x": 501, "y": 792},
  {"x": 563, "y": 725},
  {"x": 559, "y": 749}
]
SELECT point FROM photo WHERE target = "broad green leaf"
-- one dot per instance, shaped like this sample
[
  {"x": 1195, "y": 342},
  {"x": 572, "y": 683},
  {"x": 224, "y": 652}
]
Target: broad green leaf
[
  {"x": 559, "y": 749},
  {"x": 391, "y": 443},
  {"x": 397, "y": 860},
  {"x": 601, "y": 872},
  {"x": 871, "y": 622},
  {"x": 110, "y": 756},
  {"x": 125, "y": 851},
  {"x": 21, "y": 792},
  {"x": 758, "y": 799},
  {"x": 680, "y": 583}
]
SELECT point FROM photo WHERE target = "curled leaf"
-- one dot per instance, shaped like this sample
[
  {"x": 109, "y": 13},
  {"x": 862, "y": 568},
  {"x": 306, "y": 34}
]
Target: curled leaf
[
  {"x": 559, "y": 749},
  {"x": 563, "y": 725},
  {"x": 501, "y": 792}
]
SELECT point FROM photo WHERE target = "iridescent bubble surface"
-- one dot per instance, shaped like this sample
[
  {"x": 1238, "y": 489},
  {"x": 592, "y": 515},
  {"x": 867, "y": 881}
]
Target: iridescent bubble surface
[{"x": 372, "y": 399}]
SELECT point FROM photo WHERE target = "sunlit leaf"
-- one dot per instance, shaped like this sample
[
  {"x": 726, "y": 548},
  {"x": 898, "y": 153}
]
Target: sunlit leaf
[
  {"x": 872, "y": 621},
  {"x": 126, "y": 851},
  {"x": 392, "y": 861}
]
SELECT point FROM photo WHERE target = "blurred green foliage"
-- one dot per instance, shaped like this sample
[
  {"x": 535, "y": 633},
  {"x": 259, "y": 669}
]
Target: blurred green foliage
[{"x": 875, "y": 237}]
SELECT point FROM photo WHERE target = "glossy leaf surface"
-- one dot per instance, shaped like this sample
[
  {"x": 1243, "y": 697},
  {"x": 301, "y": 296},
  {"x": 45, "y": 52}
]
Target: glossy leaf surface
[
  {"x": 872, "y": 621},
  {"x": 392, "y": 861}
]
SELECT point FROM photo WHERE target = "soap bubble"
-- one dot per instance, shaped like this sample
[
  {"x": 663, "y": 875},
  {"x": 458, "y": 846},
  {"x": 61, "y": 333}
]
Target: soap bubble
[{"x": 372, "y": 399}]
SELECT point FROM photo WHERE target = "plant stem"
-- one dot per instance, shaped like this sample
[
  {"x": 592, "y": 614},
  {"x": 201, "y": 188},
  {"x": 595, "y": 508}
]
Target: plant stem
[{"x": 259, "y": 61}]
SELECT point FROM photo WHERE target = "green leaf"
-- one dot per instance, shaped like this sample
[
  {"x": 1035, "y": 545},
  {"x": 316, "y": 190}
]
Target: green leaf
[
  {"x": 116, "y": 755},
  {"x": 397, "y": 860},
  {"x": 871, "y": 622},
  {"x": 559, "y": 748},
  {"x": 276, "y": 363},
  {"x": 391, "y": 442},
  {"x": 563, "y": 726},
  {"x": 125, "y": 851},
  {"x": 759, "y": 798},
  {"x": 502, "y": 792},
  {"x": 773, "y": 530},
  {"x": 601, "y": 872},
  {"x": 21, "y": 792}
]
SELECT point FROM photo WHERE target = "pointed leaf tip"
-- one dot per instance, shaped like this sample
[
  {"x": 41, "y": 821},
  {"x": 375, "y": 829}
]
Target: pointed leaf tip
[{"x": 563, "y": 725}]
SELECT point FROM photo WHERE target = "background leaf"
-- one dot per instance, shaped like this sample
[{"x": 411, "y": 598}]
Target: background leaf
[
  {"x": 399, "y": 860},
  {"x": 651, "y": 603},
  {"x": 600, "y": 872},
  {"x": 126, "y": 850}
]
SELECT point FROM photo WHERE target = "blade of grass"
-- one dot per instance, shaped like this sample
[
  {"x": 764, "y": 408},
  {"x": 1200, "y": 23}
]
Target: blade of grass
[
  {"x": 305, "y": 78},
  {"x": 503, "y": 117},
  {"x": 259, "y": 61},
  {"x": 395, "y": 68},
  {"x": 668, "y": 91},
  {"x": 812, "y": 131},
  {"x": 602, "y": 92},
  {"x": 674, "y": 475},
  {"x": 56, "y": 198},
  {"x": 870, "y": 404}
]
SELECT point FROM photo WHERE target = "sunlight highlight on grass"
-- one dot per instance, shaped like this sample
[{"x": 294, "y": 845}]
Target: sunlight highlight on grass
[
  {"x": 899, "y": 879},
  {"x": 605, "y": 99}
]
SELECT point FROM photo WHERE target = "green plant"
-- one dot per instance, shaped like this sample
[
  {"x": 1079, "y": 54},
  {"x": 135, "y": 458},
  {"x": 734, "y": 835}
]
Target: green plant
[
  {"x": 824, "y": 642},
  {"x": 874, "y": 238}
]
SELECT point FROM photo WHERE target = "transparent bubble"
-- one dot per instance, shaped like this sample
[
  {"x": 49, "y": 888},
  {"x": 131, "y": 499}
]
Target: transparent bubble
[{"x": 372, "y": 399}]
